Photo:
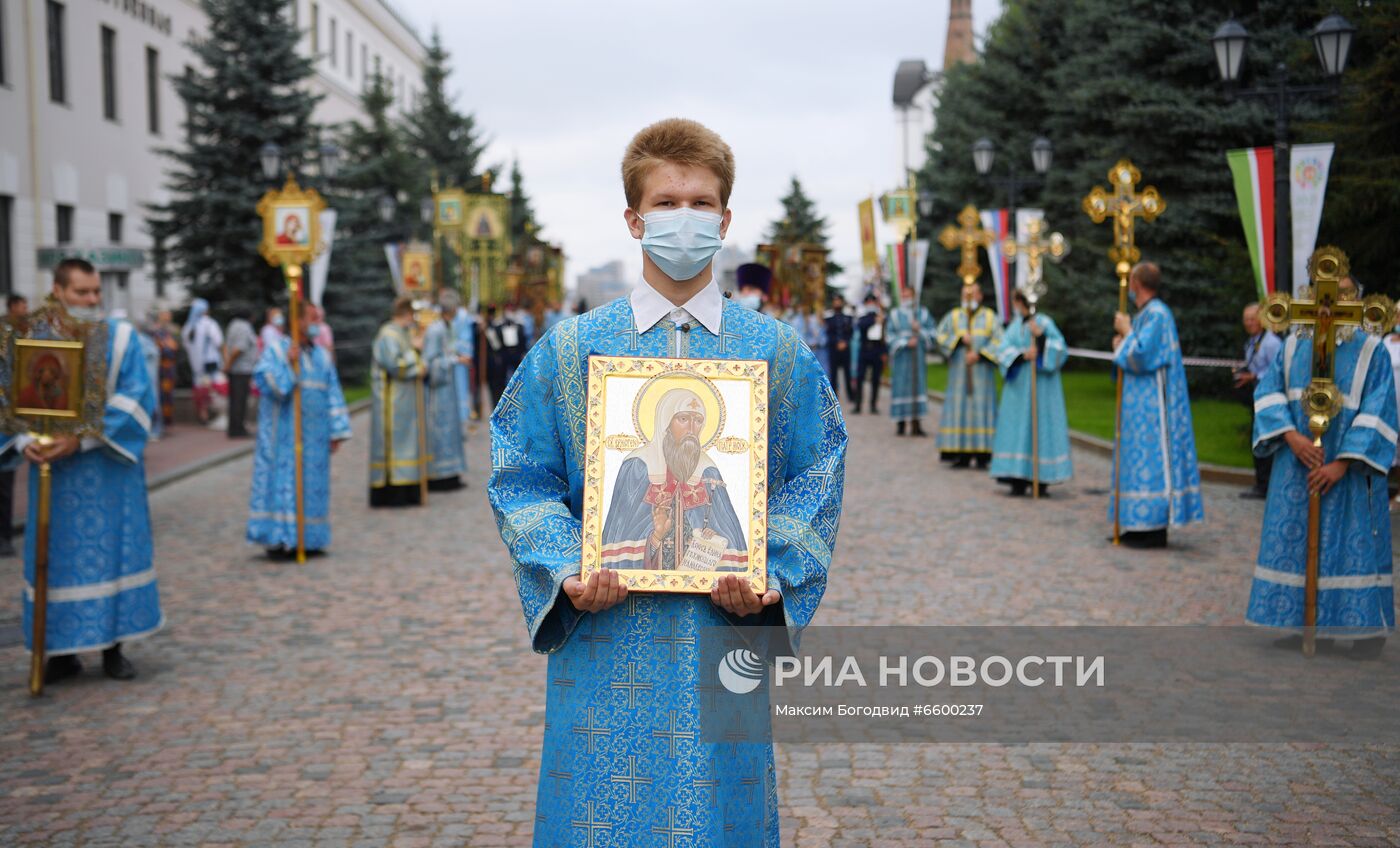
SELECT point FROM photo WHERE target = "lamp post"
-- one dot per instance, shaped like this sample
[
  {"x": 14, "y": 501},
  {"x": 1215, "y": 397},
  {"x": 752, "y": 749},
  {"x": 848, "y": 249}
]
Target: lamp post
[
  {"x": 1332, "y": 40},
  {"x": 984, "y": 156}
]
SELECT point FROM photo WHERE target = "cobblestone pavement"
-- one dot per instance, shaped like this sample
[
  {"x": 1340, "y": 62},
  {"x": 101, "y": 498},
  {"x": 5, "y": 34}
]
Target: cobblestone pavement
[{"x": 385, "y": 695}]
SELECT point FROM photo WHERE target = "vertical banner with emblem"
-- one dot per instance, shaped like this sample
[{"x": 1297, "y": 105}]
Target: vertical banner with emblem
[
  {"x": 869, "y": 252},
  {"x": 1308, "y": 167}
]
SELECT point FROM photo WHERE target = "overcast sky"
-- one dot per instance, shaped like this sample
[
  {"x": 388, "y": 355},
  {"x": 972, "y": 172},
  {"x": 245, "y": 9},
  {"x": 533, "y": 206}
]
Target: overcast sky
[{"x": 796, "y": 88}]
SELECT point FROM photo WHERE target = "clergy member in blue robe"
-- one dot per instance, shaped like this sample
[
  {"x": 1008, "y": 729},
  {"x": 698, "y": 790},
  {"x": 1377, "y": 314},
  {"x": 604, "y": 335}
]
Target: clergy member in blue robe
[
  {"x": 447, "y": 460},
  {"x": 1356, "y": 595},
  {"x": 464, "y": 344},
  {"x": 970, "y": 336},
  {"x": 325, "y": 423},
  {"x": 397, "y": 374},
  {"x": 1031, "y": 337},
  {"x": 909, "y": 330},
  {"x": 101, "y": 583},
  {"x": 624, "y": 761},
  {"x": 668, "y": 491},
  {"x": 1159, "y": 480}
]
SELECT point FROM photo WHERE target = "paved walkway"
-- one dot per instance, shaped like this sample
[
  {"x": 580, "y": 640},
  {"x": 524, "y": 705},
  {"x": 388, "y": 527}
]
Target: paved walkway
[{"x": 385, "y": 695}]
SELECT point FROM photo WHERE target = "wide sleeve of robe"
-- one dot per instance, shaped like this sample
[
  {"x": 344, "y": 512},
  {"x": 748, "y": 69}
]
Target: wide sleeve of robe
[
  {"x": 131, "y": 396},
  {"x": 1273, "y": 414},
  {"x": 399, "y": 361},
  {"x": 1054, "y": 353},
  {"x": 529, "y": 494},
  {"x": 804, "y": 506},
  {"x": 1147, "y": 348},
  {"x": 1371, "y": 437}
]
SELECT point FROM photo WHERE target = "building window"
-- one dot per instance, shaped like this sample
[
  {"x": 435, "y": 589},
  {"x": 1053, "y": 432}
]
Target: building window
[
  {"x": 349, "y": 54},
  {"x": 115, "y": 291},
  {"x": 377, "y": 70},
  {"x": 58, "y": 87},
  {"x": 109, "y": 73},
  {"x": 153, "y": 90},
  {"x": 7, "y": 280},
  {"x": 294, "y": 5},
  {"x": 64, "y": 222},
  {"x": 364, "y": 66},
  {"x": 335, "y": 40},
  {"x": 115, "y": 224},
  {"x": 315, "y": 29}
]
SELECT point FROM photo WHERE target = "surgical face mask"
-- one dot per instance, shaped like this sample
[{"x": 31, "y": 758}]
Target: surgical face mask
[
  {"x": 969, "y": 305},
  {"x": 682, "y": 241},
  {"x": 278, "y": 321},
  {"x": 313, "y": 331},
  {"x": 1132, "y": 295},
  {"x": 86, "y": 313},
  {"x": 750, "y": 301}
]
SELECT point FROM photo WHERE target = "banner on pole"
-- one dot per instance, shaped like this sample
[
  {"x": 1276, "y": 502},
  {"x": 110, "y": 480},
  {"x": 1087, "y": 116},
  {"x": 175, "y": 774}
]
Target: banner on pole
[
  {"x": 869, "y": 253},
  {"x": 995, "y": 221},
  {"x": 1253, "y": 172},
  {"x": 918, "y": 261},
  {"x": 1308, "y": 167},
  {"x": 321, "y": 265}
]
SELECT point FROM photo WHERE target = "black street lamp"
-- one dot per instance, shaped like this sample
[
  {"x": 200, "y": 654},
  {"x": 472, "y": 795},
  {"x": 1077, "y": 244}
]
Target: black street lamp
[
  {"x": 329, "y": 161},
  {"x": 984, "y": 156},
  {"x": 1332, "y": 39},
  {"x": 387, "y": 207},
  {"x": 271, "y": 156}
]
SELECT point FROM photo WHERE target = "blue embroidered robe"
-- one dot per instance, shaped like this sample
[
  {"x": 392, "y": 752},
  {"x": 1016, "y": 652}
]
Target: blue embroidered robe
[
  {"x": 623, "y": 761},
  {"x": 1011, "y": 450},
  {"x": 396, "y": 378},
  {"x": 447, "y": 457},
  {"x": 464, "y": 344},
  {"x": 1157, "y": 471},
  {"x": 1356, "y": 595},
  {"x": 908, "y": 355},
  {"x": 272, "y": 505},
  {"x": 102, "y": 586},
  {"x": 969, "y": 419}
]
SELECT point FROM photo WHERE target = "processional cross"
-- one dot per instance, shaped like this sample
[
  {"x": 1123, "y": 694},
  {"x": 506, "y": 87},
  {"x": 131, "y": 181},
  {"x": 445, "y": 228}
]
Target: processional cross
[
  {"x": 1326, "y": 314},
  {"x": 1124, "y": 204},
  {"x": 967, "y": 237},
  {"x": 1035, "y": 248}
]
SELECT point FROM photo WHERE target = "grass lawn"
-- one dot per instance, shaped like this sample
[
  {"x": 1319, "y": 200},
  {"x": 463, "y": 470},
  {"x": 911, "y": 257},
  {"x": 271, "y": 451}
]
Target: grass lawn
[
  {"x": 1222, "y": 427},
  {"x": 354, "y": 393}
]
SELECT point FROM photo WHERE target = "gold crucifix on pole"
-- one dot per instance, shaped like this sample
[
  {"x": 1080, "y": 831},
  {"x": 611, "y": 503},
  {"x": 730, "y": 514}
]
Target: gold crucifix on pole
[
  {"x": 967, "y": 237},
  {"x": 1325, "y": 314},
  {"x": 1124, "y": 204},
  {"x": 1036, "y": 248}
]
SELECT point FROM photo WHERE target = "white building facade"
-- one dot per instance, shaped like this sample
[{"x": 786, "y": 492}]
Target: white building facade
[{"x": 86, "y": 100}]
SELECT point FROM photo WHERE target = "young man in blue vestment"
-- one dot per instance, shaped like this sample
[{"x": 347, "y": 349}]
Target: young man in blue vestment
[
  {"x": 1356, "y": 594},
  {"x": 623, "y": 754},
  {"x": 1032, "y": 348},
  {"x": 1159, "y": 482},
  {"x": 325, "y": 423},
  {"x": 102, "y": 586}
]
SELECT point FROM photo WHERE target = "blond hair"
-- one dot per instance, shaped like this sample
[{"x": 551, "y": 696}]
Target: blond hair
[{"x": 680, "y": 142}]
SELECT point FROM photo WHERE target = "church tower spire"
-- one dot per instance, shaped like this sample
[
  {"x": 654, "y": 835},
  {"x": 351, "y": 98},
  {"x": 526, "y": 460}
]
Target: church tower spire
[{"x": 959, "y": 47}]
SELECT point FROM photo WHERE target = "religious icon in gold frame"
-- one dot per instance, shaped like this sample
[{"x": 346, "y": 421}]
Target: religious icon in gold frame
[
  {"x": 418, "y": 270},
  {"x": 291, "y": 224},
  {"x": 48, "y": 378},
  {"x": 53, "y": 376},
  {"x": 676, "y": 490}
]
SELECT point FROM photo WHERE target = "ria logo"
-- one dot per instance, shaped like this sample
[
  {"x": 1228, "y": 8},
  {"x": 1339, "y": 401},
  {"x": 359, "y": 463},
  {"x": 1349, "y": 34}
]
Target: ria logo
[{"x": 741, "y": 671}]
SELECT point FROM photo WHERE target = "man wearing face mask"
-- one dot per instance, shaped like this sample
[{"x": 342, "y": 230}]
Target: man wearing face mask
[
  {"x": 969, "y": 335},
  {"x": 677, "y": 176},
  {"x": 1158, "y": 479},
  {"x": 102, "y": 588},
  {"x": 273, "y": 328},
  {"x": 753, "y": 280},
  {"x": 325, "y": 423}
]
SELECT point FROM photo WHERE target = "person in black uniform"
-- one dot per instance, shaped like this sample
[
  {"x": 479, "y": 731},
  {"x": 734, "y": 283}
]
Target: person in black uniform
[
  {"x": 870, "y": 330},
  {"x": 839, "y": 328}
]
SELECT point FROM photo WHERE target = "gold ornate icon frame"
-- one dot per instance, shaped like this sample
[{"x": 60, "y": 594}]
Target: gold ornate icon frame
[
  {"x": 304, "y": 204},
  {"x": 611, "y": 438}
]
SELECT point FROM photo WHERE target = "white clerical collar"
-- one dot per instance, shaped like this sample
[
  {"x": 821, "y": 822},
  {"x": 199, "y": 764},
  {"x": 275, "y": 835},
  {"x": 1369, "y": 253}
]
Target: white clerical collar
[{"x": 649, "y": 306}]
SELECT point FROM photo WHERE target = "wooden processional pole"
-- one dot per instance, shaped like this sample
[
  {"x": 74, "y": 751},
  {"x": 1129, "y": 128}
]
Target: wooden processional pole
[{"x": 1124, "y": 205}]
